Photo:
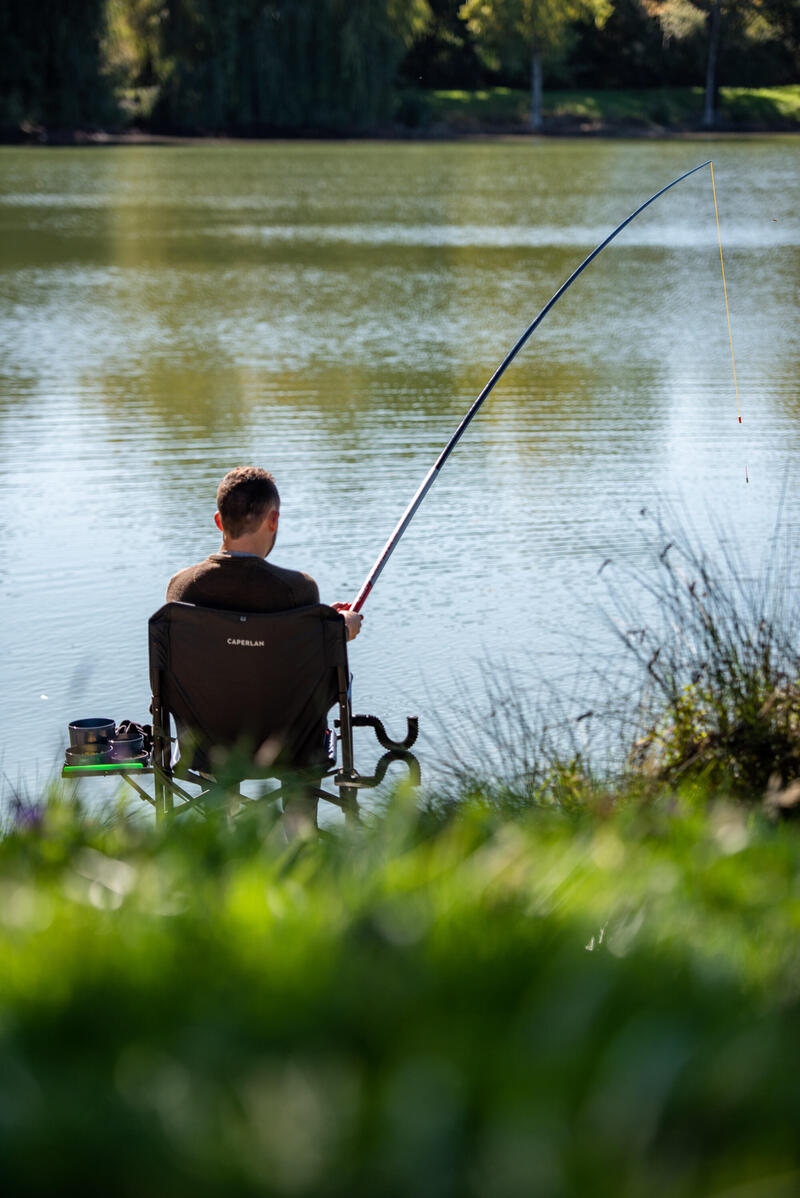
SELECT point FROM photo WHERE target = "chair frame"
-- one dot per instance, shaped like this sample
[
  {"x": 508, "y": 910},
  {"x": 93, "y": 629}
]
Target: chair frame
[
  {"x": 346, "y": 781},
  {"x": 166, "y": 787}
]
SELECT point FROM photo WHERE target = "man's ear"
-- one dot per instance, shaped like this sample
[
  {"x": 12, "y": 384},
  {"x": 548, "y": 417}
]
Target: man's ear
[
  {"x": 273, "y": 519},
  {"x": 218, "y": 521}
]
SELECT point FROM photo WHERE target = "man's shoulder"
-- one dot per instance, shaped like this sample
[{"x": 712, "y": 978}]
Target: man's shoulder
[
  {"x": 230, "y": 580},
  {"x": 299, "y": 588},
  {"x": 283, "y": 574},
  {"x": 185, "y": 577}
]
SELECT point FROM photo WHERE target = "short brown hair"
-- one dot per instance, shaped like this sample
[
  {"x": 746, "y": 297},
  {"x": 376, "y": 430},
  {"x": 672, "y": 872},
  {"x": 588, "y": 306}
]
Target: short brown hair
[{"x": 244, "y": 497}]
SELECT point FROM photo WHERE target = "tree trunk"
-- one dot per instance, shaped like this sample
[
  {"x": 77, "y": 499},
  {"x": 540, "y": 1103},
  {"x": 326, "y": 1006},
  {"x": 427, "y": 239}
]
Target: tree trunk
[
  {"x": 714, "y": 24},
  {"x": 536, "y": 89}
]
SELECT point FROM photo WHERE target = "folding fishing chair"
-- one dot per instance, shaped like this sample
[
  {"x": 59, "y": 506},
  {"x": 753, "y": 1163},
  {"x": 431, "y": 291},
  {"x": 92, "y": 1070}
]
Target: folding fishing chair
[{"x": 247, "y": 696}]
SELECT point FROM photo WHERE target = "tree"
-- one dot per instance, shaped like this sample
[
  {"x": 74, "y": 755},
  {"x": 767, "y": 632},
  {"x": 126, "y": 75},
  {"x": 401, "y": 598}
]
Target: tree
[
  {"x": 514, "y": 33},
  {"x": 680, "y": 19},
  {"x": 761, "y": 19}
]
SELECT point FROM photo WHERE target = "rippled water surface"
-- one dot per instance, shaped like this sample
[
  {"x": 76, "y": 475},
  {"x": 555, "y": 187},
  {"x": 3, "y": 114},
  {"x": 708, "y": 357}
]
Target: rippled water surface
[{"x": 329, "y": 312}]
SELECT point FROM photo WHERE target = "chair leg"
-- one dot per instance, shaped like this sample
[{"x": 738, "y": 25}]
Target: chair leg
[
  {"x": 345, "y": 725},
  {"x": 300, "y": 805},
  {"x": 349, "y": 797},
  {"x": 161, "y": 760},
  {"x": 168, "y": 799},
  {"x": 160, "y": 791}
]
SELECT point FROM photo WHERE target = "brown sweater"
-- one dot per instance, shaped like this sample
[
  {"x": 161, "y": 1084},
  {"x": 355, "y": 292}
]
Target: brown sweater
[{"x": 246, "y": 584}]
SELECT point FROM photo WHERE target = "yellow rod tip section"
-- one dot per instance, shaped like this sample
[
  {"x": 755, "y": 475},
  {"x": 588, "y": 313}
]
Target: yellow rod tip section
[{"x": 725, "y": 293}]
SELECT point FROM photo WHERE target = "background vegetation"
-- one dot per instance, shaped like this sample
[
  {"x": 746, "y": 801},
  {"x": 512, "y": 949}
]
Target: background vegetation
[{"x": 249, "y": 66}]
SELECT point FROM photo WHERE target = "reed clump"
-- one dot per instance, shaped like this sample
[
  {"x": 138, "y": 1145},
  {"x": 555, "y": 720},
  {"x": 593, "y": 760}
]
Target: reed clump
[
  {"x": 720, "y": 659},
  {"x": 706, "y": 691}
]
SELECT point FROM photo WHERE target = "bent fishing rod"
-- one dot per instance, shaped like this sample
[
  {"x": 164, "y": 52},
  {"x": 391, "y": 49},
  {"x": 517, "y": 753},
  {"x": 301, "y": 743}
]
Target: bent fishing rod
[{"x": 430, "y": 477}]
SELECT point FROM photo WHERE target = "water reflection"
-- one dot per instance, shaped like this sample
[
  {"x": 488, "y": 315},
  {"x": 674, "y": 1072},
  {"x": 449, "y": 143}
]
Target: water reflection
[{"x": 330, "y": 311}]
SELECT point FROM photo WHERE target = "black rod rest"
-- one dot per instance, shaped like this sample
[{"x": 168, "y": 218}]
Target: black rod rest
[
  {"x": 368, "y": 781},
  {"x": 385, "y": 741}
]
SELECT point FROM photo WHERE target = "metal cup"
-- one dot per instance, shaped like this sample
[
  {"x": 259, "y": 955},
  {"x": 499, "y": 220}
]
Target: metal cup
[{"x": 91, "y": 732}]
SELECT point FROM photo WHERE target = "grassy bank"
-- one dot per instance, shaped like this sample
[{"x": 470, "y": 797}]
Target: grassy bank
[
  {"x": 590, "y": 111},
  {"x": 467, "y": 1004}
]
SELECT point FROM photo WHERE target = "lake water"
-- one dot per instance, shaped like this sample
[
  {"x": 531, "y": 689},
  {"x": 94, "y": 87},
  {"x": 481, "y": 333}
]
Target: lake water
[{"x": 329, "y": 311}]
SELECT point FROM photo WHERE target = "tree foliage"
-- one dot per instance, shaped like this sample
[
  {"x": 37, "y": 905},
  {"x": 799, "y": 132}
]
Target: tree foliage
[
  {"x": 133, "y": 40},
  {"x": 631, "y": 50},
  {"x": 513, "y": 32},
  {"x": 443, "y": 53},
  {"x": 53, "y": 71},
  {"x": 758, "y": 21},
  {"x": 509, "y": 30},
  {"x": 216, "y": 64},
  {"x": 282, "y": 63}
]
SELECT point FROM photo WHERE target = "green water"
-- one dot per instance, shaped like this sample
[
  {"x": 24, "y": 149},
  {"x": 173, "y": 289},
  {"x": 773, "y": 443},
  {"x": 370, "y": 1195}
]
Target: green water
[{"x": 329, "y": 311}]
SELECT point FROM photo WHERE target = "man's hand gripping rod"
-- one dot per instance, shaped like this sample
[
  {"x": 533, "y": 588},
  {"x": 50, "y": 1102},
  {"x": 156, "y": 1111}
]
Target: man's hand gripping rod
[{"x": 430, "y": 477}]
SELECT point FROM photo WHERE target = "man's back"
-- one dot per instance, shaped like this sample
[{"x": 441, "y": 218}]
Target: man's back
[{"x": 242, "y": 582}]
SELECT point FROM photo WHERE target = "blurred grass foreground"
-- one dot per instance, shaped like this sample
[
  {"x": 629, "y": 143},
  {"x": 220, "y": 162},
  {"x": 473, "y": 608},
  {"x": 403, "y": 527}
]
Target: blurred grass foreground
[{"x": 449, "y": 1001}]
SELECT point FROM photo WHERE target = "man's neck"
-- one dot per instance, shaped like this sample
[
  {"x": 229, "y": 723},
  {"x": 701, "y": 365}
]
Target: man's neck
[{"x": 242, "y": 545}]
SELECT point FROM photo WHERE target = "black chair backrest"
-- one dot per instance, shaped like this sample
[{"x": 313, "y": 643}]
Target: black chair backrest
[{"x": 259, "y": 683}]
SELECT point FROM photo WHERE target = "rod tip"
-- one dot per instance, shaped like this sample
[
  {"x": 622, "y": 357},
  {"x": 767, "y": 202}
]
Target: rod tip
[{"x": 740, "y": 420}]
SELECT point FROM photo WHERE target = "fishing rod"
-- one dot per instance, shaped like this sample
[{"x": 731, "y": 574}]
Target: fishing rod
[{"x": 430, "y": 477}]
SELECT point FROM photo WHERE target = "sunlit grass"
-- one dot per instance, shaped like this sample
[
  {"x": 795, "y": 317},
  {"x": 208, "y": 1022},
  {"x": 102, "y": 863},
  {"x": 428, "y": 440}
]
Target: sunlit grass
[
  {"x": 752, "y": 104},
  {"x": 656, "y": 107}
]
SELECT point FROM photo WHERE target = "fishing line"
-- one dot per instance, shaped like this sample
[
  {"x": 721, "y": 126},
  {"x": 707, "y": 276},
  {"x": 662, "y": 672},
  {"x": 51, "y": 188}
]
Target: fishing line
[
  {"x": 727, "y": 309},
  {"x": 431, "y": 476}
]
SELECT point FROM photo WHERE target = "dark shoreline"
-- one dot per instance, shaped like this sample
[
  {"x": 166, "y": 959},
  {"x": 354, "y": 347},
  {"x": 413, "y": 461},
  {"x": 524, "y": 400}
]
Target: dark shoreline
[{"x": 513, "y": 133}]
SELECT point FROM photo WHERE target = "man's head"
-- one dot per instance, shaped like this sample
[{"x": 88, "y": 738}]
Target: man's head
[{"x": 248, "y": 506}]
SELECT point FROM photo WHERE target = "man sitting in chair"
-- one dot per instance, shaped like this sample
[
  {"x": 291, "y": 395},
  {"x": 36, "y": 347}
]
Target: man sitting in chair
[{"x": 238, "y": 578}]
